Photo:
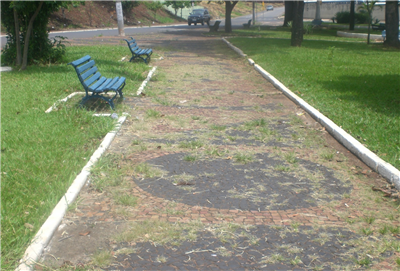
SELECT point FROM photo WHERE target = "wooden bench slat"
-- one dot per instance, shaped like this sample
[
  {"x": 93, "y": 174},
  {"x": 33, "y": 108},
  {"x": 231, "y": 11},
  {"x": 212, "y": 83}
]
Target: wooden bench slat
[
  {"x": 84, "y": 67},
  {"x": 118, "y": 83},
  {"x": 80, "y": 61},
  {"x": 102, "y": 88},
  {"x": 92, "y": 79},
  {"x": 88, "y": 73},
  {"x": 94, "y": 87}
]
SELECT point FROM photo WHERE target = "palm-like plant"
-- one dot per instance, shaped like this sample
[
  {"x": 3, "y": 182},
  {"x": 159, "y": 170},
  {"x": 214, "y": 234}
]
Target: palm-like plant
[{"x": 368, "y": 6}]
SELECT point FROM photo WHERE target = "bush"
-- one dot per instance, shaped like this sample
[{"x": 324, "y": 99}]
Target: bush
[
  {"x": 343, "y": 17},
  {"x": 361, "y": 17}
]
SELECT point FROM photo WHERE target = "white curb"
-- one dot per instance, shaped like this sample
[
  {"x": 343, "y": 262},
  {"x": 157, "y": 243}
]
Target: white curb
[
  {"x": 45, "y": 233},
  {"x": 385, "y": 169},
  {"x": 144, "y": 83}
]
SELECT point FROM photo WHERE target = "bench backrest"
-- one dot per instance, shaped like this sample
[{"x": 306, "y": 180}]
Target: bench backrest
[
  {"x": 132, "y": 44},
  {"x": 87, "y": 72}
]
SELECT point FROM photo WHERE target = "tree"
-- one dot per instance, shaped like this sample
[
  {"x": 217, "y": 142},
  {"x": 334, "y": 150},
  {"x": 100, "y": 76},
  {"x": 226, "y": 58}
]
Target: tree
[
  {"x": 288, "y": 12},
  {"x": 352, "y": 14},
  {"x": 368, "y": 6},
  {"x": 392, "y": 23},
  {"x": 26, "y": 26},
  {"x": 177, "y": 5},
  {"x": 297, "y": 25},
  {"x": 229, "y": 5}
]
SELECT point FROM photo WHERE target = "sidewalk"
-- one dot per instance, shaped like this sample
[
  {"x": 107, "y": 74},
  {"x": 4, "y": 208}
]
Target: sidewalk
[{"x": 217, "y": 170}]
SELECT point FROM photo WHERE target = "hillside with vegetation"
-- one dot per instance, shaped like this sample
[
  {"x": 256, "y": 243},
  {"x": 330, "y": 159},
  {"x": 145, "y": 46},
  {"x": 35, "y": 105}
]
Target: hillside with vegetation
[{"x": 102, "y": 14}]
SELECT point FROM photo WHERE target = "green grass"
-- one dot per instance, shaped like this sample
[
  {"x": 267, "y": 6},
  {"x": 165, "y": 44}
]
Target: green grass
[
  {"x": 354, "y": 84},
  {"x": 41, "y": 154}
]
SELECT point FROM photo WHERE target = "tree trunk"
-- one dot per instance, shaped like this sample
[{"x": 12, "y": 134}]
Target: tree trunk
[
  {"x": 17, "y": 38},
  {"x": 229, "y": 5},
  {"x": 27, "y": 36},
  {"x": 120, "y": 18},
  {"x": 297, "y": 26},
  {"x": 288, "y": 12},
  {"x": 352, "y": 14},
  {"x": 392, "y": 24}
]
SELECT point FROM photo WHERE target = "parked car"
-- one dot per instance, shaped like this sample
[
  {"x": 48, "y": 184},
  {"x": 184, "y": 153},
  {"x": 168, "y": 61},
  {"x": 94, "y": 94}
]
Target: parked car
[
  {"x": 200, "y": 16},
  {"x": 270, "y": 8}
]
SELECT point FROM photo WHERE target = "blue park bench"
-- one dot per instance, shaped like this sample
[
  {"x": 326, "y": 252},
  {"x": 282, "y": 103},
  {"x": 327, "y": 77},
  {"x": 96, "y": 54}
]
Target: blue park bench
[
  {"x": 94, "y": 84},
  {"x": 214, "y": 28},
  {"x": 247, "y": 25},
  {"x": 137, "y": 52}
]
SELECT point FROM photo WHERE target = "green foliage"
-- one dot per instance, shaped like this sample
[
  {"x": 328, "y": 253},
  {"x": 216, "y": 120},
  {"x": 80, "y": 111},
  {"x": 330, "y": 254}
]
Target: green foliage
[
  {"x": 127, "y": 6},
  {"x": 41, "y": 49},
  {"x": 153, "y": 5},
  {"x": 343, "y": 17}
]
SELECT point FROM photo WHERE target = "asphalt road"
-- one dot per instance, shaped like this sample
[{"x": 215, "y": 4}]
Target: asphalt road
[{"x": 266, "y": 17}]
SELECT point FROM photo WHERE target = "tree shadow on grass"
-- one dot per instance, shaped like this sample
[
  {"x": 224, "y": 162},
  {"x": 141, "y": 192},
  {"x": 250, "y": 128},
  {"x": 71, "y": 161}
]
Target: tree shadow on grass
[{"x": 380, "y": 93}]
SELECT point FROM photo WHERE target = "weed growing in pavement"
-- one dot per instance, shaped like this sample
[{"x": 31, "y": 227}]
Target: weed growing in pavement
[
  {"x": 160, "y": 232},
  {"x": 151, "y": 113},
  {"x": 190, "y": 158},
  {"x": 125, "y": 199},
  {"x": 127, "y": 251},
  {"x": 191, "y": 144},
  {"x": 243, "y": 158},
  {"x": 147, "y": 171},
  {"x": 367, "y": 231},
  {"x": 369, "y": 219},
  {"x": 290, "y": 157},
  {"x": 102, "y": 258},
  {"x": 161, "y": 259},
  {"x": 171, "y": 209},
  {"x": 162, "y": 101},
  {"x": 215, "y": 127},
  {"x": 274, "y": 258},
  {"x": 295, "y": 261},
  {"x": 106, "y": 173},
  {"x": 282, "y": 168}
]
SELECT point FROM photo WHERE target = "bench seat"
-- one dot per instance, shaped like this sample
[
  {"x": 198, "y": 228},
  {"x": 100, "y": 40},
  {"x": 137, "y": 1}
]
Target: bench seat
[
  {"x": 94, "y": 84},
  {"x": 142, "y": 53}
]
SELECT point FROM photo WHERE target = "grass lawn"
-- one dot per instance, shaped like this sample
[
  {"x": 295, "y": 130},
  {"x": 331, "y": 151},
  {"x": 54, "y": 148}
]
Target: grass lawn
[
  {"x": 354, "y": 84},
  {"x": 41, "y": 153}
]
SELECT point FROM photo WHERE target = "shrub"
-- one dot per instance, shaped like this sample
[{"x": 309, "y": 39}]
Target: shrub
[{"x": 343, "y": 17}]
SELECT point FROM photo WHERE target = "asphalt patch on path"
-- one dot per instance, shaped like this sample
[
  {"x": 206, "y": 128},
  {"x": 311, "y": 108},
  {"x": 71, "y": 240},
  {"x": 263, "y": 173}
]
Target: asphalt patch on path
[
  {"x": 258, "y": 248},
  {"x": 255, "y": 186}
]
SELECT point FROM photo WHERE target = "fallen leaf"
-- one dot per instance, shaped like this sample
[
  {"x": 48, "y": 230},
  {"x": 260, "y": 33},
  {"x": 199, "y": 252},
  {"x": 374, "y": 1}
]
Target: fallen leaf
[
  {"x": 29, "y": 226},
  {"x": 84, "y": 233},
  {"x": 228, "y": 158},
  {"x": 97, "y": 203}
]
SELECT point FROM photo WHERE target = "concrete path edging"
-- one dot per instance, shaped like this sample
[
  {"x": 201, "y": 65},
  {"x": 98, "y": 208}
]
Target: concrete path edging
[
  {"x": 45, "y": 233},
  {"x": 359, "y": 35},
  {"x": 385, "y": 169}
]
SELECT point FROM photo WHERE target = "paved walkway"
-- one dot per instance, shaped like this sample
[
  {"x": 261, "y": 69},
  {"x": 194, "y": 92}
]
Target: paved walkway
[{"x": 216, "y": 169}]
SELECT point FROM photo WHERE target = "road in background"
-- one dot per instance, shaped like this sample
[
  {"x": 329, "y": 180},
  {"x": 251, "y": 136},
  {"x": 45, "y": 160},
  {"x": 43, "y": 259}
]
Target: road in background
[{"x": 263, "y": 18}]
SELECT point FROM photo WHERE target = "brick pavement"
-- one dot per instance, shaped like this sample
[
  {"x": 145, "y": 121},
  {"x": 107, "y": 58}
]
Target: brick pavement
[{"x": 293, "y": 208}]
